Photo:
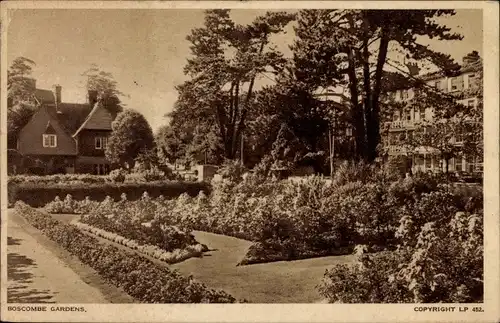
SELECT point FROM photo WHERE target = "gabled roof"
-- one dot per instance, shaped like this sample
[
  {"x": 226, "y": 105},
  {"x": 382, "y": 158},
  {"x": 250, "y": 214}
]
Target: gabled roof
[
  {"x": 44, "y": 96},
  {"x": 50, "y": 129},
  {"x": 98, "y": 119},
  {"x": 70, "y": 115}
]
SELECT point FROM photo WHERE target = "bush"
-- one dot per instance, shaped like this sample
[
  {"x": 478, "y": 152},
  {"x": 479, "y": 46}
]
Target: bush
[
  {"x": 141, "y": 278},
  {"x": 441, "y": 263},
  {"x": 38, "y": 195},
  {"x": 118, "y": 175}
]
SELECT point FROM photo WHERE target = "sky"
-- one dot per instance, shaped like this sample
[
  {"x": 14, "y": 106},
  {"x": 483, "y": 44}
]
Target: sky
[{"x": 146, "y": 50}]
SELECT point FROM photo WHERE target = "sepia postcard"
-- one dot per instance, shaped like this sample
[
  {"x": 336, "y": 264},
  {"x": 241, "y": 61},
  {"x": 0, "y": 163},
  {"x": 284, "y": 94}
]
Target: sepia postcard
[{"x": 250, "y": 161}]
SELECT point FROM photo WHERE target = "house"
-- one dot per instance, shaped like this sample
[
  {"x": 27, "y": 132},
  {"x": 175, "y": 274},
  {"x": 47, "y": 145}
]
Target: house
[
  {"x": 65, "y": 137},
  {"x": 406, "y": 120}
]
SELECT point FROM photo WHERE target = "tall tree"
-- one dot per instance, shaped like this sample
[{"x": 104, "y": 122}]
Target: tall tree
[
  {"x": 131, "y": 137},
  {"x": 20, "y": 84},
  {"x": 106, "y": 87},
  {"x": 226, "y": 60},
  {"x": 350, "y": 48},
  {"x": 20, "y": 97}
]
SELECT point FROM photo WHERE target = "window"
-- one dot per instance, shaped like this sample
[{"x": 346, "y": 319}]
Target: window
[
  {"x": 470, "y": 103},
  {"x": 422, "y": 113},
  {"x": 101, "y": 169},
  {"x": 405, "y": 94},
  {"x": 49, "y": 140},
  {"x": 457, "y": 83},
  {"x": 101, "y": 142}
]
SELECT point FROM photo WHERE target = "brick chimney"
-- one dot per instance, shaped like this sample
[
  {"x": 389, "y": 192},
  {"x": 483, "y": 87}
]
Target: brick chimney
[
  {"x": 57, "y": 93},
  {"x": 56, "y": 89},
  {"x": 92, "y": 97}
]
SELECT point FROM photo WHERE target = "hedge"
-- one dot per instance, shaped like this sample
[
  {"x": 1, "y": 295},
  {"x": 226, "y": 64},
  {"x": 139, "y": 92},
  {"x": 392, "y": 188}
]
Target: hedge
[
  {"x": 141, "y": 278},
  {"x": 38, "y": 195}
]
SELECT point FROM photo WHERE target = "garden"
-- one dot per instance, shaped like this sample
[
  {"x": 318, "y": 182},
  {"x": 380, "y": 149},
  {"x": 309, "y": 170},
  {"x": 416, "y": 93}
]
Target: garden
[{"x": 417, "y": 239}]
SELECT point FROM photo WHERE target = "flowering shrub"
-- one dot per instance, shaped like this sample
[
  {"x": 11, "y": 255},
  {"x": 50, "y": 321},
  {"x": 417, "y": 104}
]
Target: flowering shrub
[
  {"x": 171, "y": 257},
  {"x": 141, "y": 278},
  {"x": 118, "y": 175},
  {"x": 445, "y": 264},
  {"x": 68, "y": 205}
]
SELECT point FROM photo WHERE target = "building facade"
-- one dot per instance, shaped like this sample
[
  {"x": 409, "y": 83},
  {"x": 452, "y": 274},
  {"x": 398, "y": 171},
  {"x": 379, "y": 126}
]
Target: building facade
[
  {"x": 64, "y": 137},
  {"x": 405, "y": 121}
]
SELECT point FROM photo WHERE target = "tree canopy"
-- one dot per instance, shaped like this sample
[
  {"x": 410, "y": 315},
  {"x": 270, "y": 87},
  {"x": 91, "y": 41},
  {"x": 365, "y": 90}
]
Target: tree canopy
[
  {"x": 106, "y": 87},
  {"x": 350, "y": 48},
  {"x": 131, "y": 137},
  {"x": 225, "y": 62}
]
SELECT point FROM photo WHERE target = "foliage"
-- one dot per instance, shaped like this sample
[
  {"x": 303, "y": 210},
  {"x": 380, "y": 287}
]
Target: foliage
[
  {"x": 118, "y": 175},
  {"x": 350, "y": 48},
  {"x": 131, "y": 137},
  {"x": 226, "y": 60},
  {"x": 444, "y": 264},
  {"x": 19, "y": 82},
  {"x": 20, "y": 97},
  {"x": 106, "y": 87},
  {"x": 39, "y": 194},
  {"x": 232, "y": 170},
  {"x": 141, "y": 278}
]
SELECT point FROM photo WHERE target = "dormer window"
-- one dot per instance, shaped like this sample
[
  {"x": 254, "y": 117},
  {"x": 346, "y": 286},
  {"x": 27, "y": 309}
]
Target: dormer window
[
  {"x": 101, "y": 142},
  {"x": 49, "y": 140}
]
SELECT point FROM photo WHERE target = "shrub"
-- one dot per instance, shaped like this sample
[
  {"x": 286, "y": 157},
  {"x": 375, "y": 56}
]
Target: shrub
[
  {"x": 141, "y": 278},
  {"x": 118, "y": 175},
  {"x": 232, "y": 170},
  {"x": 38, "y": 195},
  {"x": 443, "y": 264}
]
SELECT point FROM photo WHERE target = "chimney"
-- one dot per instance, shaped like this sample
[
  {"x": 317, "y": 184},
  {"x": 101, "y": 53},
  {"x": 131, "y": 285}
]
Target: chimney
[
  {"x": 57, "y": 93},
  {"x": 92, "y": 97}
]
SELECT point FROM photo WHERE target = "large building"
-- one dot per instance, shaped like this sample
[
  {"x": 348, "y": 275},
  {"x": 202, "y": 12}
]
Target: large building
[
  {"x": 63, "y": 137},
  {"x": 405, "y": 121}
]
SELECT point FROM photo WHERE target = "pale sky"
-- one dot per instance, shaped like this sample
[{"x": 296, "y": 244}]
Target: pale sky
[{"x": 145, "y": 50}]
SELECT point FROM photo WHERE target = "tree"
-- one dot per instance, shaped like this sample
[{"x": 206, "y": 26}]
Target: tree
[
  {"x": 131, "y": 137},
  {"x": 20, "y": 84},
  {"x": 170, "y": 145},
  {"x": 350, "y": 48},
  {"x": 20, "y": 97},
  {"x": 106, "y": 87},
  {"x": 226, "y": 60}
]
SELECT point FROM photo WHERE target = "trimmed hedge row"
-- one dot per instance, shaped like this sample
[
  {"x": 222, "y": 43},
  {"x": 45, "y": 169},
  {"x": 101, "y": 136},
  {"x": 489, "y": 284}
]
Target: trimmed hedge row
[
  {"x": 141, "y": 278},
  {"x": 38, "y": 195}
]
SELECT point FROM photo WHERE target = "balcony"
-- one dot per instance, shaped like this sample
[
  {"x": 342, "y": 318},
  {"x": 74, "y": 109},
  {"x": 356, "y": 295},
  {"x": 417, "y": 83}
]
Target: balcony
[{"x": 401, "y": 124}]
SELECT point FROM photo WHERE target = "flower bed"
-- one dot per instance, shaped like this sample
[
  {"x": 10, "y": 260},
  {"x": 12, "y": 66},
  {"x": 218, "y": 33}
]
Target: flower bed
[
  {"x": 294, "y": 220},
  {"x": 125, "y": 223},
  {"x": 39, "y": 194},
  {"x": 139, "y": 277},
  {"x": 171, "y": 257}
]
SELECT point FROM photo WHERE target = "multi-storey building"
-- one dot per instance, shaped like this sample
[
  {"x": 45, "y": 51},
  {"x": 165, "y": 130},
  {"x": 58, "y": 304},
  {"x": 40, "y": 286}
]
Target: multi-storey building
[
  {"x": 405, "y": 121},
  {"x": 64, "y": 137}
]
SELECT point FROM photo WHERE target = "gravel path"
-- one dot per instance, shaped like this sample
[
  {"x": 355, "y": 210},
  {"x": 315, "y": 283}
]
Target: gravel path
[{"x": 37, "y": 274}]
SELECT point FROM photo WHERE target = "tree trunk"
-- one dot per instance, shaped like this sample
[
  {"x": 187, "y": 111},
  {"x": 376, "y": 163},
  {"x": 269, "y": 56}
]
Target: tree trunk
[
  {"x": 374, "y": 126},
  {"x": 366, "y": 82},
  {"x": 357, "y": 114}
]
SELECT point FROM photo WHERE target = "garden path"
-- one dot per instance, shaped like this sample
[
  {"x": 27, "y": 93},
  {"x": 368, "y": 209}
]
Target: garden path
[
  {"x": 275, "y": 282},
  {"x": 39, "y": 271}
]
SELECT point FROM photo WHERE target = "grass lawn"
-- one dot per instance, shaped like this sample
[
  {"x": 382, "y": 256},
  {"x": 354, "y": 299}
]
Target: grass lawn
[{"x": 274, "y": 282}]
